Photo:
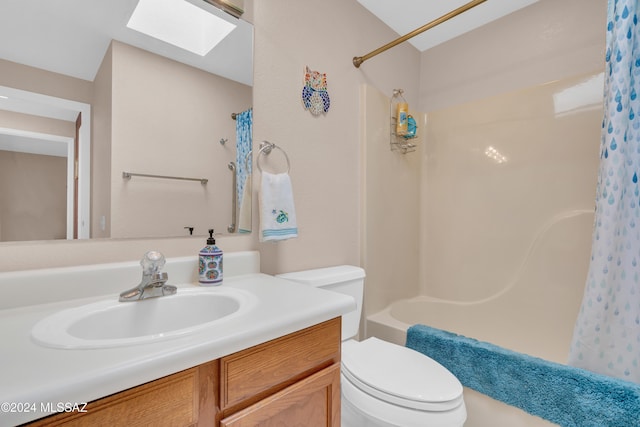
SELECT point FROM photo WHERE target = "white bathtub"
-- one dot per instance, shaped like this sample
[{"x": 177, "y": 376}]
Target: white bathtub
[
  {"x": 543, "y": 332},
  {"x": 534, "y": 314},
  {"x": 391, "y": 325}
]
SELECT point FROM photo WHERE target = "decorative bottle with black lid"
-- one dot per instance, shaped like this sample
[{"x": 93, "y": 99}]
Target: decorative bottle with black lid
[{"x": 210, "y": 263}]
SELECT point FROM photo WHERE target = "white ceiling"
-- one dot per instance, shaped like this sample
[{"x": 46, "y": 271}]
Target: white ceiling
[
  {"x": 404, "y": 16},
  {"x": 71, "y": 37},
  {"x": 46, "y": 145}
]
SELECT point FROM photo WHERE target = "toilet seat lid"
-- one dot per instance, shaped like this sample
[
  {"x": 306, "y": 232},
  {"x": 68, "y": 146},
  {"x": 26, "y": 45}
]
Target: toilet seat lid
[{"x": 400, "y": 375}]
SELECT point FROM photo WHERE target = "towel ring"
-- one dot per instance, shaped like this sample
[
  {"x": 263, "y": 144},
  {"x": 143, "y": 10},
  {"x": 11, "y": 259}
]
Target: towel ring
[{"x": 265, "y": 148}]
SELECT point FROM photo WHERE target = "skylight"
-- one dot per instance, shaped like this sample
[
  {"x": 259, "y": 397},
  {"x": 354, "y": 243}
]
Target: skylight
[{"x": 180, "y": 23}]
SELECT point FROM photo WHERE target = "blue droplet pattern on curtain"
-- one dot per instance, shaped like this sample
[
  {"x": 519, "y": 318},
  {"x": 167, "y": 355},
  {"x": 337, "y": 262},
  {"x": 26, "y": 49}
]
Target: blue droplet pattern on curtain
[
  {"x": 244, "y": 143},
  {"x": 606, "y": 337}
]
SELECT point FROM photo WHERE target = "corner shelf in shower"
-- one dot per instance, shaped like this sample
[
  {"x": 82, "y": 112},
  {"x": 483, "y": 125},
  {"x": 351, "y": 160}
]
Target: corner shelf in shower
[{"x": 397, "y": 142}]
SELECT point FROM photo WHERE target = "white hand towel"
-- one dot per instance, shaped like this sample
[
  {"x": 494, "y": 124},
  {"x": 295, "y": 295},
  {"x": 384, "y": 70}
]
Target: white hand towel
[{"x": 277, "y": 211}]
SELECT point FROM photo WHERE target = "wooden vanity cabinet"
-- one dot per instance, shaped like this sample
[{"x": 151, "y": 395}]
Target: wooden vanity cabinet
[
  {"x": 186, "y": 398},
  {"x": 311, "y": 402},
  {"x": 292, "y": 380}
]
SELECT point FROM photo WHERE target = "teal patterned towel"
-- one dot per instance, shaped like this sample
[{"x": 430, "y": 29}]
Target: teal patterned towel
[{"x": 565, "y": 395}]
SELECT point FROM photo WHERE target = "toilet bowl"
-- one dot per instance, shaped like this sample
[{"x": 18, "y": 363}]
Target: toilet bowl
[{"x": 384, "y": 384}]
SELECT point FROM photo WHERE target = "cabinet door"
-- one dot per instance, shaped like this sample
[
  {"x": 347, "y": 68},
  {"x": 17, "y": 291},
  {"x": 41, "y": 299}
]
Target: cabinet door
[
  {"x": 311, "y": 402},
  {"x": 187, "y": 398},
  {"x": 251, "y": 375}
]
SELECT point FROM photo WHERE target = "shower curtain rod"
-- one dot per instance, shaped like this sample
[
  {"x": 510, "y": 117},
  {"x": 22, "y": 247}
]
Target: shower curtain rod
[
  {"x": 234, "y": 116},
  {"x": 358, "y": 60}
]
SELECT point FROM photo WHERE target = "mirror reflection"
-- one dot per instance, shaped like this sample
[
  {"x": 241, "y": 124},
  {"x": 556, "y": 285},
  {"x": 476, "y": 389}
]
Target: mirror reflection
[{"x": 84, "y": 99}]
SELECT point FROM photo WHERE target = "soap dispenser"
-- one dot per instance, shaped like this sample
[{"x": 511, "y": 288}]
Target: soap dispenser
[{"x": 210, "y": 263}]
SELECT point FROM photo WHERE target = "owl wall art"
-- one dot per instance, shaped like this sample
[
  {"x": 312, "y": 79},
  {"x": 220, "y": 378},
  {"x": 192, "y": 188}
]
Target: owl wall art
[{"x": 314, "y": 93}]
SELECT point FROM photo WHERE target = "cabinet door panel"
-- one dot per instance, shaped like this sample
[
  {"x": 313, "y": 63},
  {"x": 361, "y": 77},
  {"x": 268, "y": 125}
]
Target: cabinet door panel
[
  {"x": 170, "y": 401},
  {"x": 312, "y": 402},
  {"x": 274, "y": 365}
]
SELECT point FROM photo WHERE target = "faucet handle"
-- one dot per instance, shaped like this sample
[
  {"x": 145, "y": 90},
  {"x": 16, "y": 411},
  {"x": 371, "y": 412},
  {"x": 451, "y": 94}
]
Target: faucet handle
[{"x": 152, "y": 262}]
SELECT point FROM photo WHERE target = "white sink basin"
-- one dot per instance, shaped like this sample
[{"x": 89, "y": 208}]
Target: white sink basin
[{"x": 111, "y": 323}]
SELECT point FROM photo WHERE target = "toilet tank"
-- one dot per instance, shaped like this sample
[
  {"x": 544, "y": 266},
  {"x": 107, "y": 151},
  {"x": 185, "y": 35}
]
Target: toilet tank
[{"x": 345, "y": 279}]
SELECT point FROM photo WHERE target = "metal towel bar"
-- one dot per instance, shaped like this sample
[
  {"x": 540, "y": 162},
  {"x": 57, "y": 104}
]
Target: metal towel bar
[
  {"x": 234, "y": 198},
  {"x": 128, "y": 175}
]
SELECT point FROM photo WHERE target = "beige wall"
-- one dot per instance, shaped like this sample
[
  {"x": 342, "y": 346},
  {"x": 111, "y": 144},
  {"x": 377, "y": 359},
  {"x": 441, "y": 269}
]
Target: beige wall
[
  {"x": 33, "y": 188},
  {"x": 33, "y": 196},
  {"x": 101, "y": 124},
  {"x": 39, "y": 81},
  {"x": 168, "y": 119},
  {"x": 324, "y": 151},
  {"x": 13, "y": 120}
]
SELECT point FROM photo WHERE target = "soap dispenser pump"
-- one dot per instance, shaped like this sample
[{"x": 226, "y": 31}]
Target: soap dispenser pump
[{"x": 210, "y": 263}]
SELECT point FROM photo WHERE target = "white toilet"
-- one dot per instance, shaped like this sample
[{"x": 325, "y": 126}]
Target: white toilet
[{"x": 384, "y": 384}]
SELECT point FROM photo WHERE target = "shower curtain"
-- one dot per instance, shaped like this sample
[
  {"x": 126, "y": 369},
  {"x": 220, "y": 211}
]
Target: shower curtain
[
  {"x": 244, "y": 144},
  {"x": 606, "y": 337}
]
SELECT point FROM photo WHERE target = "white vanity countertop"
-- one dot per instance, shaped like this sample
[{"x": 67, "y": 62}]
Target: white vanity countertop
[{"x": 33, "y": 376}]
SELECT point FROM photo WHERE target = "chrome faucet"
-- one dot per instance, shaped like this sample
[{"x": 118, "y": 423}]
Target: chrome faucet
[{"x": 153, "y": 283}]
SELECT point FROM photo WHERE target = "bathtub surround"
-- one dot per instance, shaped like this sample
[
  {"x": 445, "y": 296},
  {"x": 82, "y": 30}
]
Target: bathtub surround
[
  {"x": 503, "y": 247},
  {"x": 461, "y": 223},
  {"x": 390, "y": 203},
  {"x": 606, "y": 338},
  {"x": 496, "y": 240},
  {"x": 568, "y": 396},
  {"x": 546, "y": 41}
]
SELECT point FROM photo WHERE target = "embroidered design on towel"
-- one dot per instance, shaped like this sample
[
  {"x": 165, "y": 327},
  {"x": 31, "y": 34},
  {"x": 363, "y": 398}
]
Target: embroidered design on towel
[
  {"x": 281, "y": 217},
  {"x": 314, "y": 93}
]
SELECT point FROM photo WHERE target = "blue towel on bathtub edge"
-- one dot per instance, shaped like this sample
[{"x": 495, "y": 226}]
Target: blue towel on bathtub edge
[{"x": 565, "y": 395}]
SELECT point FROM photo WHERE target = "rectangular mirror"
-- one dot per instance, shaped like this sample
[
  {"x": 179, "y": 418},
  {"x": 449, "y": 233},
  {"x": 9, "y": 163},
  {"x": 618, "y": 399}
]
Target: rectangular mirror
[{"x": 84, "y": 99}]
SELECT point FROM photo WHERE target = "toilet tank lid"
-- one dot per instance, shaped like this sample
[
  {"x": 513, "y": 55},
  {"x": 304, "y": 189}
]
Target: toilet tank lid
[{"x": 325, "y": 276}]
